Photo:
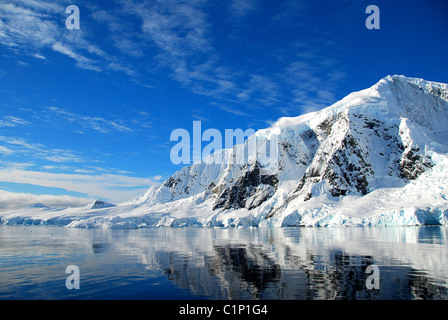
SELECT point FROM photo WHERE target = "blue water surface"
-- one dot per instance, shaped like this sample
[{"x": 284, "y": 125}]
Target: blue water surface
[{"x": 194, "y": 264}]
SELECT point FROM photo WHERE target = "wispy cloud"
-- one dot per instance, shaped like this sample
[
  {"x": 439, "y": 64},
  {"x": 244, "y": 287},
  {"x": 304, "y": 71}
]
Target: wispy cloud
[
  {"x": 261, "y": 89},
  {"x": 29, "y": 27},
  {"x": 240, "y": 8},
  {"x": 183, "y": 34},
  {"x": 122, "y": 33},
  {"x": 113, "y": 187},
  {"x": 21, "y": 147},
  {"x": 98, "y": 124},
  {"x": 310, "y": 76},
  {"x": 116, "y": 66},
  {"x": 81, "y": 61},
  {"x": 12, "y": 200},
  {"x": 180, "y": 31},
  {"x": 180, "y": 36},
  {"x": 291, "y": 12},
  {"x": 5, "y": 150},
  {"x": 68, "y": 170},
  {"x": 39, "y": 56},
  {"x": 232, "y": 110},
  {"x": 11, "y": 121}
]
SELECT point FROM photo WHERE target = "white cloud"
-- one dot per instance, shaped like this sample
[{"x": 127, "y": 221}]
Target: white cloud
[
  {"x": 125, "y": 41},
  {"x": 311, "y": 77},
  {"x": 5, "y": 150},
  {"x": 63, "y": 157},
  {"x": 241, "y": 8},
  {"x": 28, "y": 27},
  {"x": 157, "y": 178},
  {"x": 291, "y": 12},
  {"x": 19, "y": 146},
  {"x": 45, "y": 6},
  {"x": 232, "y": 110},
  {"x": 10, "y": 121},
  {"x": 39, "y": 56},
  {"x": 12, "y": 200},
  {"x": 93, "y": 123},
  {"x": 114, "y": 187},
  {"x": 81, "y": 61},
  {"x": 264, "y": 88},
  {"x": 121, "y": 67},
  {"x": 180, "y": 31},
  {"x": 177, "y": 35}
]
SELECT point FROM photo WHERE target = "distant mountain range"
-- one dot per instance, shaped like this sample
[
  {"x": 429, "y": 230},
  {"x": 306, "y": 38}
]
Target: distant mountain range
[{"x": 377, "y": 157}]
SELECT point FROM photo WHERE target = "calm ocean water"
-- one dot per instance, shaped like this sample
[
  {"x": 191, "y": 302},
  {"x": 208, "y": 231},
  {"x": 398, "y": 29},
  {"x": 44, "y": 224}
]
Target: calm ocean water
[{"x": 297, "y": 263}]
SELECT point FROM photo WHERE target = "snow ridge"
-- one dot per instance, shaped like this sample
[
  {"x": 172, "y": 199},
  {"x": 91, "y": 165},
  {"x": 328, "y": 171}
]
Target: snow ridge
[{"x": 378, "y": 157}]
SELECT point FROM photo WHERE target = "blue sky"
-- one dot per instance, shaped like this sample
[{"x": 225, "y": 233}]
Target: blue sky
[{"x": 88, "y": 113}]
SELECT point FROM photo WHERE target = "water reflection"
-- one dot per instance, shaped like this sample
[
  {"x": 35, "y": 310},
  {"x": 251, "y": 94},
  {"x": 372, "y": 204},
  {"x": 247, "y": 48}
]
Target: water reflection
[
  {"x": 313, "y": 264},
  {"x": 98, "y": 247},
  {"x": 225, "y": 264},
  {"x": 247, "y": 265}
]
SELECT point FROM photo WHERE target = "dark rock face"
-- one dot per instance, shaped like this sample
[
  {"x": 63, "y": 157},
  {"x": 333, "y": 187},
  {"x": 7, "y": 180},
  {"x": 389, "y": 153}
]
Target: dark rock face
[
  {"x": 348, "y": 169},
  {"x": 171, "y": 182},
  {"x": 98, "y": 204},
  {"x": 412, "y": 165},
  {"x": 249, "y": 184}
]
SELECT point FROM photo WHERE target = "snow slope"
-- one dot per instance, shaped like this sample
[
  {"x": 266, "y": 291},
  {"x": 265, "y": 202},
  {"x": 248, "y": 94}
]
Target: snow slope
[{"x": 377, "y": 157}]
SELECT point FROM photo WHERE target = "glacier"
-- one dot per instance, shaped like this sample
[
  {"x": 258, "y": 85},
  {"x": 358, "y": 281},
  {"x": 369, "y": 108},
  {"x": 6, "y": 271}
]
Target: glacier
[{"x": 378, "y": 157}]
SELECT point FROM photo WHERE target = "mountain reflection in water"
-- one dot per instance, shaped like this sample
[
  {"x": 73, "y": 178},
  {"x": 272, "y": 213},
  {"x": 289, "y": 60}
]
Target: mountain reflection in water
[
  {"x": 300, "y": 263},
  {"x": 313, "y": 263}
]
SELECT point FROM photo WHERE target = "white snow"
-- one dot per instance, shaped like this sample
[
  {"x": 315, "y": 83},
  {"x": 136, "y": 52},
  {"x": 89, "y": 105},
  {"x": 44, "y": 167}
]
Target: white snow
[{"x": 369, "y": 134}]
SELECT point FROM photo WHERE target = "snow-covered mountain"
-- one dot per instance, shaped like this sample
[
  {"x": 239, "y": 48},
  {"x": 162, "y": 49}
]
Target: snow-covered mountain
[
  {"x": 377, "y": 157},
  {"x": 98, "y": 204}
]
